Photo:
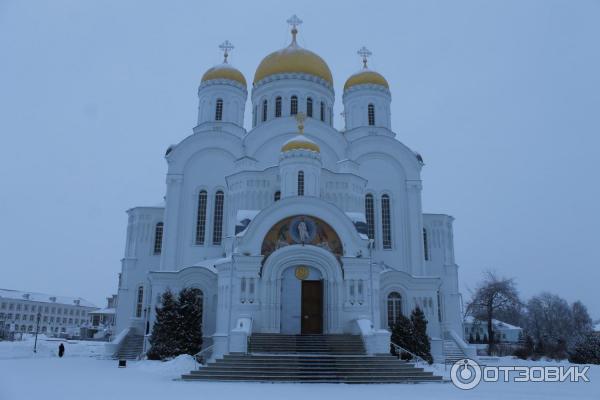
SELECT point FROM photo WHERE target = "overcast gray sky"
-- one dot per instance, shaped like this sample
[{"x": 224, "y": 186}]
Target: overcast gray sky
[{"x": 501, "y": 98}]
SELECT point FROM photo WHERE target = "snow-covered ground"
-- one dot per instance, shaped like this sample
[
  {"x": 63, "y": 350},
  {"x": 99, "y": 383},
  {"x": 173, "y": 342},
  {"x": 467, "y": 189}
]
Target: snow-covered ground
[{"x": 82, "y": 375}]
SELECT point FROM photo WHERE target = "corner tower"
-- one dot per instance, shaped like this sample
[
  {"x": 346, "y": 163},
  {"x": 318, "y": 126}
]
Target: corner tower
[
  {"x": 367, "y": 98},
  {"x": 222, "y": 93}
]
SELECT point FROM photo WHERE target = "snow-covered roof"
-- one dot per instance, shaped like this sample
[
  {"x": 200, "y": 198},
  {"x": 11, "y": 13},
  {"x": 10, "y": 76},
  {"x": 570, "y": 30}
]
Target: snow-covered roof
[
  {"x": 243, "y": 219},
  {"x": 44, "y": 298},
  {"x": 210, "y": 264},
  {"x": 496, "y": 322},
  {"x": 104, "y": 311}
]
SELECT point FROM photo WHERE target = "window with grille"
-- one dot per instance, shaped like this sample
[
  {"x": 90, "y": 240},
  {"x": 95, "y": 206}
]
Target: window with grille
[
  {"x": 264, "y": 111},
  {"x": 218, "y": 218},
  {"x": 386, "y": 228},
  {"x": 371, "y": 112},
  {"x": 370, "y": 215},
  {"x": 277, "y": 196},
  {"x": 425, "y": 245},
  {"x": 158, "y": 235},
  {"x": 309, "y": 104},
  {"x": 201, "y": 218},
  {"x": 394, "y": 308},
  {"x": 294, "y": 105},
  {"x": 278, "y": 107},
  {"x": 139, "y": 304},
  {"x": 322, "y": 111},
  {"x": 219, "y": 110},
  {"x": 300, "y": 183}
]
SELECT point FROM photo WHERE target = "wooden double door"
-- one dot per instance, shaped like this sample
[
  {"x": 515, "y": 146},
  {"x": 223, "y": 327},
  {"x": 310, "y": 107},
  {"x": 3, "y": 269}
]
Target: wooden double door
[{"x": 312, "y": 307}]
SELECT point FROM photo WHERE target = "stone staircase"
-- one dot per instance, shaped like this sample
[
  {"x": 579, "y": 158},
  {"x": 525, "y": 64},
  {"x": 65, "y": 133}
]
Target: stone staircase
[
  {"x": 452, "y": 353},
  {"x": 131, "y": 348},
  {"x": 310, "y": 359}
]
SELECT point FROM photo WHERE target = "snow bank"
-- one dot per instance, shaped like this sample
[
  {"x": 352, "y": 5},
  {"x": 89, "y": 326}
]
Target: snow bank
[
  {"x": 172, "y": 369},
  {"x": 48, "y": 347}
]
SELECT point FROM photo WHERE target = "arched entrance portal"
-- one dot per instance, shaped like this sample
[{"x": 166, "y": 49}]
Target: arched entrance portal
[{"x": 302, "y": 293}]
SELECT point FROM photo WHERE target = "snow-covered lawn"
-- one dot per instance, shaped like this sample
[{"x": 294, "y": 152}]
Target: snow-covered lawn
[{"x": 77, "y": 376}]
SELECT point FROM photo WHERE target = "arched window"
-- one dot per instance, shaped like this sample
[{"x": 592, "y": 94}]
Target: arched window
[
  {"x": 370, "y": 215},
  {"x": 277, "y": 196},
  {"x": 371, "y": 112},
  {"x": 300, "y": 183},
  {"x": 219, "y": 110},
  {"x": 294, "y": 105},
  {"x": 201, "y": 218},
  {"x": 309, "y": 112},
  {"x": 425, "y": 245},
  {"x": 394, "y": 308},
  {"x": 278, "y": 107},
  {"x": 158, "y": 235},
  {"x": 386, "y": 223},
  {"x": 139, "y": 303},
  {"x": 264, "y": 111},
  {"x": 254, "y": 115},
  {"x": 323, "y": 111},
  {"x": 218, "y": 217}
]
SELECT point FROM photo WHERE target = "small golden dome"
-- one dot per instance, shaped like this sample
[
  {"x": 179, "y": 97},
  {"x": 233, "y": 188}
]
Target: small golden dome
[
  {"x": 224, "y": 71},
  {"x": 366, "y": 77},
  {"x": 300, "y": 142}
]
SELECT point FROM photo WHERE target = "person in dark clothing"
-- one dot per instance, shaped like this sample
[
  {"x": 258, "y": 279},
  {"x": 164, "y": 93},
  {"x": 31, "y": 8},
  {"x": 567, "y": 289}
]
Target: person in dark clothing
[{"x": 61, "y": 350}]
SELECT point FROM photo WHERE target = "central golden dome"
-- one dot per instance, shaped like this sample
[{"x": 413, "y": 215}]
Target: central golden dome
[
  {"x": 293, "y": 59},
  {"x": 300, "y": 142}
]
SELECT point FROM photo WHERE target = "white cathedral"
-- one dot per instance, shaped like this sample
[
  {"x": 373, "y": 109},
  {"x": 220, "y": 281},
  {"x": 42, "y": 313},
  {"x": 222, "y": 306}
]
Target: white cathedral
[{"x": 293, "y": 226}]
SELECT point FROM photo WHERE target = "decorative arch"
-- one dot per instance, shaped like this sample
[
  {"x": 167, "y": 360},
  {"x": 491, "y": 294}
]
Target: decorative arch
[{"x": 304, "y": 230}]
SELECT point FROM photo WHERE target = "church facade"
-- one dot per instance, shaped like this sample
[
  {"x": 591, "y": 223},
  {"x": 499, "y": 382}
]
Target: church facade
[{"x": 293, "y": 226}]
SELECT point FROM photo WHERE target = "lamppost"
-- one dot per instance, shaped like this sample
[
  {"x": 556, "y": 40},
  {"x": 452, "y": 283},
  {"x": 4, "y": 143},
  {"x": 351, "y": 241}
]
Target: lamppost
[{"x": 37, "y": 328}]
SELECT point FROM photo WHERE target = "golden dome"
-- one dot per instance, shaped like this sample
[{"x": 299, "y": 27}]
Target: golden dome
[
  {"x": 300, "y": 142},
  {"x": 366, "y": 77},
  {"x": 224, "y": 71},
  {"x": 293, "y": 59}
]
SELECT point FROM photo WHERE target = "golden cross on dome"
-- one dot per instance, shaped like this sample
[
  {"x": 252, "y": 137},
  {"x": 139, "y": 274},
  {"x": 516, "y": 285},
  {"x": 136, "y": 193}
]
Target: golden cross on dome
[
  {"x": 300, "y": 117},
  {"x": 364, "y": 53},
  {"x": 226, "y": 47},
  {"x": 295, "y": 22}
]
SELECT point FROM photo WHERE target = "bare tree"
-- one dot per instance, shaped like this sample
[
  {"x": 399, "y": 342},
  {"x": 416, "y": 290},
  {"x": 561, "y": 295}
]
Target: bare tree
[{"x": 494, "y": 295}]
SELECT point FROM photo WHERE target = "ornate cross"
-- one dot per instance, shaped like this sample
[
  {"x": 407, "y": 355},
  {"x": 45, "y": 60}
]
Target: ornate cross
[
  {"x": 364, "y": 53},
  {"x": 226, "y": 47},
  {"x": 300, "y": 117},
  {"x": 294, "y": 21}
]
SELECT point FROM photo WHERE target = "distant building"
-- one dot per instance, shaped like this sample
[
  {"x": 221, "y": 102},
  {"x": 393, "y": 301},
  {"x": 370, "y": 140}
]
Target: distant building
[
  {"x": 505, "y": 333},
  {"x": 59, "y": 315},
  {"x": 102, "y": 322}
]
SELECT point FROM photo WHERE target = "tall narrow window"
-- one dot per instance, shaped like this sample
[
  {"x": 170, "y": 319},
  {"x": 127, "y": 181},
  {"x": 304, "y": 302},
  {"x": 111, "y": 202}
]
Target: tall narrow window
[
  {"x": 425, "y": 245},
  {"x": 309, "y": 112},
  {"x": 158, "y": 235},
  {"x": 218, "y": 218},
  {"x": 278, "y": 107},
  {"x": 294, "y": 105},
  {"x": 371, "y": 112},
  {"x": 300, "y": 183},
  {"x": 139, "y": 304},
  {"x": 322, "y": 111},
  {"x": 264, "y": 111},
  {"x": 394, "y": 308},
  {"x": 386, "y": 228},
  {"x": 254, "y": 115},
  {"x": 277, "y": 196},
  {"x": 201, "y": 218},
  {"x": 219, "y": 110},
  {"x": 370, "y": 215}
]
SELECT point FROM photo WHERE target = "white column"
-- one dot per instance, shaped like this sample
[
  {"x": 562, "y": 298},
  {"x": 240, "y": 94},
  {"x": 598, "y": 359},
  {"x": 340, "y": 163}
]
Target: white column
[{"x": 168, "y": 260}]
